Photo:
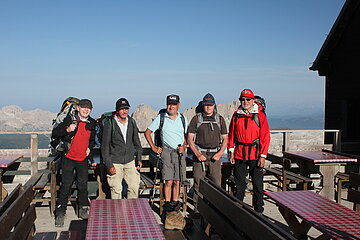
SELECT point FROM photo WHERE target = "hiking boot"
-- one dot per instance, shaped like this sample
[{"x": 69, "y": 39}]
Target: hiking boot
[
  {"x": 59, "y": 220},
  {"x": 174, "y": 220},
  {"x": 84, "y": 213},
  {"x": 167, "y": 207}
]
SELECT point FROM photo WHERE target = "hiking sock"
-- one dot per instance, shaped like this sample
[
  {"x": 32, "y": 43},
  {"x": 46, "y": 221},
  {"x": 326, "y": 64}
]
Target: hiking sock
[{"x": 176, "y": 205}]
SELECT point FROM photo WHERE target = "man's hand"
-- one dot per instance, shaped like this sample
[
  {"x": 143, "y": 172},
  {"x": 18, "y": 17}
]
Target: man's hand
[
  {"x": 261, "y": 162},
  {"x": 181, "y": 149},
  {"x": 157, "y": 150},
  {"x": 139, "y": 166},
  {"x": 87, "y": 152},
  {"x": 201, "y": 157},
  {"x": 71, "y": 128},
  {"x": 232, "y": 158},
  {"x": 217, "y": 156},
  {"x": 112, "y": 171}
]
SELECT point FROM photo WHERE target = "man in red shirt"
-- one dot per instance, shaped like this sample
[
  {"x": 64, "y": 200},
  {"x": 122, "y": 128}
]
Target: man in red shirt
[
  {"x": 249, "y": 140},
  {"x": 78, "y": 134}
]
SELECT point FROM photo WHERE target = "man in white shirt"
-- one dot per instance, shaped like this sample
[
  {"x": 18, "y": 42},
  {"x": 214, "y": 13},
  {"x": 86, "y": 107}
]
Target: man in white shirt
[{"x": 121, "y": 151}]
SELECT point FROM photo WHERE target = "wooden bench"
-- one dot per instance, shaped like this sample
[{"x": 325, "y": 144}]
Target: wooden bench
[
  {"x": 17, "y": 215},
  {"x": 285, "y": 178},
  {"x": 354, "y": 191},
  {"x": 231, "y": 185},
  {"x": 233, "y": 219},
  {"x": 340, "y": 179},
  {"x": 40, "y": 183},
  {"x": 71, "y": 235}
]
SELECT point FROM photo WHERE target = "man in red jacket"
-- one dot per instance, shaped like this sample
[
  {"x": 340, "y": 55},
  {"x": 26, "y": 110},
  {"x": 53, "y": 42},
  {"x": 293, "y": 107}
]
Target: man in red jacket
[{"x": 249, "y": 140}]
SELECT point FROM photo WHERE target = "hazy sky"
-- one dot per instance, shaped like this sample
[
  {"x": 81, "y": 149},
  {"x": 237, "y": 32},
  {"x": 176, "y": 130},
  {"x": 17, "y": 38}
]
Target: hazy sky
[{"x": 145, "y": 50}]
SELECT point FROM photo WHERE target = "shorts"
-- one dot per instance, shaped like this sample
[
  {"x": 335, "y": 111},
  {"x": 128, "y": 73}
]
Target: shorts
[{"x": 172, "y": 169}]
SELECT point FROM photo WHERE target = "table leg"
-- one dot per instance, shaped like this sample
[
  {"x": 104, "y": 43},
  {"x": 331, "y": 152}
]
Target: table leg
[
  {"x": 306, "y": 168},
  {"x": 300, "y": 230},
  {"x": 328, "y": 173}
]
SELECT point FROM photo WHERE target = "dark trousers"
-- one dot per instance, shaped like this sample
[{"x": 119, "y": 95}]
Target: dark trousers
[
  {"x": 71, "y": 168},
  {"x": 240, "y": 173},
  {"x": 212, "y": 171}
]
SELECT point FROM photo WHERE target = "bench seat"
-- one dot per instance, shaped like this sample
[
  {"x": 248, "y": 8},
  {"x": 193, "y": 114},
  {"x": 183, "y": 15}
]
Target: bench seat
[
  {"x": 233, "y": 219},
  {"x": 290, "y": 177}
]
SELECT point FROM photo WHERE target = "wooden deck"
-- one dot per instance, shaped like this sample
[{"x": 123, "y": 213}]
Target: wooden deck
[{"x": 45, "y": 222}]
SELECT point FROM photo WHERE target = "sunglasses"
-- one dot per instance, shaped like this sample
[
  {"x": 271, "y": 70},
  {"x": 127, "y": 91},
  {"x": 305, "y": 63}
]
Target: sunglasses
[{"x": 247, "y": 99}]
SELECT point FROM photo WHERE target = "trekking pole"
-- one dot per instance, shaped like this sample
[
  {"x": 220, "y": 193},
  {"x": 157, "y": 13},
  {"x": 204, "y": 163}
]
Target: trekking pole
[
  {"x": 179, "y": 157},
  {"x": 154, "y": 186}
]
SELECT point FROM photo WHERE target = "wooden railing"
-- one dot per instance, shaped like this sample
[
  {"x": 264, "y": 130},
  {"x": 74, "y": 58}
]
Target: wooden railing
[{"x": 33, "y": 152}]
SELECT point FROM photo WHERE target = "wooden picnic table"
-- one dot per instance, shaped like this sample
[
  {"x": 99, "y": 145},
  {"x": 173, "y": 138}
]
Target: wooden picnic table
[
  {"x": 332, "y": 219},
  {"x": 122, "y": 219},
  {"x": 327, "y": 164},
  {"x": 5, "y": 162}
]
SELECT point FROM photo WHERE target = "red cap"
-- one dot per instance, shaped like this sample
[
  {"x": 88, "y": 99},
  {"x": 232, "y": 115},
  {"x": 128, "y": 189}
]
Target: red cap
[{"x": 247, "y": 93}]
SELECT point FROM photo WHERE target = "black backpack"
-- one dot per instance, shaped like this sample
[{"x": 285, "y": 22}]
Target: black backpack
[
  {"x": 158, "y": 133},
  {"x": 100, "y": 122}
]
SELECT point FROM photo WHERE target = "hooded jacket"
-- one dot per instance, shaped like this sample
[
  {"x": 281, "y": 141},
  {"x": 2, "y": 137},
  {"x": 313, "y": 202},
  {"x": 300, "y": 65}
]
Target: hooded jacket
[{"x": 244, "y": 130}]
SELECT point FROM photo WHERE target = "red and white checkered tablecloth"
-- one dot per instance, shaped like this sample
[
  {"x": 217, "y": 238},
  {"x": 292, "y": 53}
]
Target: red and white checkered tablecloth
[
  {"x": 319, "y": 157},
  {"x": 122, "y": 219},
  {"x": 335, "y": 220},
  {"x": 7, "y": 160}
]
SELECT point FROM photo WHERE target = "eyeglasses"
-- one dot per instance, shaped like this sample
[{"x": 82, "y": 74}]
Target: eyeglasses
[{"x": 247, "y": 99}]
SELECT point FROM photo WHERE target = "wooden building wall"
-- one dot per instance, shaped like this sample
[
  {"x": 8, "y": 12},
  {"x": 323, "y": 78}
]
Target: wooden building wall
[{"x": 342, "y": 90}]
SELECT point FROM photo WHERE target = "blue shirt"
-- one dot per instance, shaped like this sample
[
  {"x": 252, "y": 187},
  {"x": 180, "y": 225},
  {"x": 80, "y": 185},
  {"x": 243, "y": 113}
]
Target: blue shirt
[{"x": 172, "y": 130}]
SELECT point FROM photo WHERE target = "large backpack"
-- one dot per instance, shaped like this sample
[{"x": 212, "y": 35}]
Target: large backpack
[
  {"x": 100, "y": 122},
  {"x": 158, "y": 133},
  {"x": 68, "y": 108}
]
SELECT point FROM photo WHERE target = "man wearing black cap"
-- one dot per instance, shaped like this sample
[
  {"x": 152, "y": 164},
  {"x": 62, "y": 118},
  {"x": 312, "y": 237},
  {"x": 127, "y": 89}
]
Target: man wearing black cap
[
  {"x": 173, "y": 126},
  {"x": 210, "y": 133},
  {"x": 78, "y": 134},
  {"x": 121, "y": 151}
]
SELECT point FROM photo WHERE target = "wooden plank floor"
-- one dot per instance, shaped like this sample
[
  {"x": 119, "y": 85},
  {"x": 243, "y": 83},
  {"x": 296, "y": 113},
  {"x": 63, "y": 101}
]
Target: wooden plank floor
[{"x": 46, "y": 223}]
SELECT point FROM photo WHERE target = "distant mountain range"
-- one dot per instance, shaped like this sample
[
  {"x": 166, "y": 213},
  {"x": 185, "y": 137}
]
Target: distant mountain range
[{"x": 15, "y": 119}]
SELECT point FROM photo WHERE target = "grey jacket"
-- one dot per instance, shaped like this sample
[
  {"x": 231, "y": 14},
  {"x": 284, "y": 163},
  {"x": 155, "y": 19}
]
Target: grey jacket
[{"x": 113, "y": 147}]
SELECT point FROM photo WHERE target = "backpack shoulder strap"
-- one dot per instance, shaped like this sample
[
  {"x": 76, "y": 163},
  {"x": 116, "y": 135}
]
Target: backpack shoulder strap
[
  {"x": 255, "y": 117},
  {"x": 217, "y": 120},
  {"x": 183, "y": 122},
  {"x": 200, "y": 120},
  {"x": 162, "y": 119}
]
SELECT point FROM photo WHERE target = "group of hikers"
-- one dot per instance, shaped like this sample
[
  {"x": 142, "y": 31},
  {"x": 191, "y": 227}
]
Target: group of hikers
[{"x": 207, "y": 135}]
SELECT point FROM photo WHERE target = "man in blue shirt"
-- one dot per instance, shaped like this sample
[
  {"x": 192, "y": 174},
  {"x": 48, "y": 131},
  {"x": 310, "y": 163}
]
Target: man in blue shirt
[{"x": 172, "y": 152}]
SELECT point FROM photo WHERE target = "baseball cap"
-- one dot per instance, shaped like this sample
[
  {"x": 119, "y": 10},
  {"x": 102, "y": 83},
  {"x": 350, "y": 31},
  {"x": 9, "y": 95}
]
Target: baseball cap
[
  {"x": 172, "y": 99},
  {"x": 208, "y": 99},
  {"x": 85, "y": 103},
  {"x": 122, "y": 103},
  {"x": 247, "y": 93}
]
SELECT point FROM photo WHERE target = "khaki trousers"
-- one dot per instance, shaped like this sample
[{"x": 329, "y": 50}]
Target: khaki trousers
[{"x": 128, "y": 172}]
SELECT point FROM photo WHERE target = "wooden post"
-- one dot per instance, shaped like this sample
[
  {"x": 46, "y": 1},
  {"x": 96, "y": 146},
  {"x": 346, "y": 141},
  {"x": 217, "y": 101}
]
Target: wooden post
[
  {"x": 285, "y": 146},
  {"x": 34, "y": 154},
  {"x": 338, "y": 141}
]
